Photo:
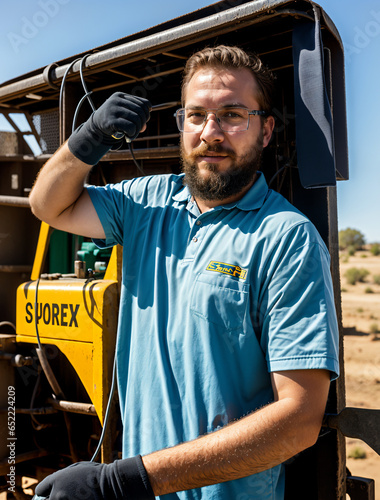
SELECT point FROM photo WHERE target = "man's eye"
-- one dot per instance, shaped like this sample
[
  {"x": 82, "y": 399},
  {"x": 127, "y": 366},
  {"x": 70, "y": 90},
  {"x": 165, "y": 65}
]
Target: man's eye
[
  {"x": 231, "y": 114},
  {"x": 195, "y": 114}
]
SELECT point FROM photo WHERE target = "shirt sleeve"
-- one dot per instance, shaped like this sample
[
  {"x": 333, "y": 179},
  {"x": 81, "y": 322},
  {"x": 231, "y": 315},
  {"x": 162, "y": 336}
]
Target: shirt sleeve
[
  {"x": 297, "y": 309},
  {"x": 111, "y": 203}
]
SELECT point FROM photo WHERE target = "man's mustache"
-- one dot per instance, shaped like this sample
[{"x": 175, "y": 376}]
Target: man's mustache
[{"x": 203, "y": 149}]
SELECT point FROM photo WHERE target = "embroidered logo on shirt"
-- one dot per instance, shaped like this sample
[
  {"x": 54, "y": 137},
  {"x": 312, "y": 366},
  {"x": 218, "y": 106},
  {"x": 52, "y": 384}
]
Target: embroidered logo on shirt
[{"x": 221, "y": 267}]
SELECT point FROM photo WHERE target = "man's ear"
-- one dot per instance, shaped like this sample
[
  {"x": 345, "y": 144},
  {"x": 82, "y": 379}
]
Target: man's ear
[{"x": 268, "y": 127}]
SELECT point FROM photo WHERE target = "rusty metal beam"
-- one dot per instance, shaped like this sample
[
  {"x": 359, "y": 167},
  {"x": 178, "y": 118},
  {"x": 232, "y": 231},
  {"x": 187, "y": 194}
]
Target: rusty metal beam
[
  {"x": 143, "y": 154},
  {"x": 73, "y": 407},
  {"x": 14, "y": 201},
  {"x": 222, "y": 22}
]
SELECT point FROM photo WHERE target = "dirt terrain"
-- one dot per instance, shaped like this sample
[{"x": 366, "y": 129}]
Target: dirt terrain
[{"x": 361, "y": 321}]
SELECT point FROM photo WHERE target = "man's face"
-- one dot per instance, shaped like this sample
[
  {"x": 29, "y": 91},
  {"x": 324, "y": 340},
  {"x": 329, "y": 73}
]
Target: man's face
[{"x": 220, "y": 165}]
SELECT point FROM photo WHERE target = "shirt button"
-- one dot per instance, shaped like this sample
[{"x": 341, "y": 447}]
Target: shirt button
[
  {"x": 195, "y": 239},
  {"x": 198, "y": 223}
]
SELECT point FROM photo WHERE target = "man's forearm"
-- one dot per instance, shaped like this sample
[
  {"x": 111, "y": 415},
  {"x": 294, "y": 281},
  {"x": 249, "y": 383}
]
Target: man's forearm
[
  {"x": 59, "y": 184},
  {"x": 255, "y": 443}
]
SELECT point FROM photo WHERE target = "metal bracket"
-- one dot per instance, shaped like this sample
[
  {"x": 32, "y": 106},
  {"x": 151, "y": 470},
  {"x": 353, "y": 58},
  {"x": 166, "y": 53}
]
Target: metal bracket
[
  {"x": 360, "y": 488},
  {"x": 359, "y": 423},
  {"x": 47, "y": 76}
]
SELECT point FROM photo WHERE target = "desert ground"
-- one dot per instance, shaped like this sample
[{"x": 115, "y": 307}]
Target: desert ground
[{"x": 361, "y": 322}]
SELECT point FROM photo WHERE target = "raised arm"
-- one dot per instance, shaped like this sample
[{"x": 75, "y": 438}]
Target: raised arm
[
  {"x": 60, "y": 199},
  {"x": 58, "y": 196}
]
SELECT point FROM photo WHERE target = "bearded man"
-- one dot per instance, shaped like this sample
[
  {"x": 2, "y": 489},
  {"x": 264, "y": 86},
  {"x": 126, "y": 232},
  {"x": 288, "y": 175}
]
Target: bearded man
[{"x": 227, "y": 336}]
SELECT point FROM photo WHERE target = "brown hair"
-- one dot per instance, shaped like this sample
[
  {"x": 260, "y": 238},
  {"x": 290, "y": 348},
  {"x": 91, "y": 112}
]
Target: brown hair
[{"x": 232, "y": 57}]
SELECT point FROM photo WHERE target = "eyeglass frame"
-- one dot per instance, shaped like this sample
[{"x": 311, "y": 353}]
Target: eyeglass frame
[{"x": 254, "y": 112}]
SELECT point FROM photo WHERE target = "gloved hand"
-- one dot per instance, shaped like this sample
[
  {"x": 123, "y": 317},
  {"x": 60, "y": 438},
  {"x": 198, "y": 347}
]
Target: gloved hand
[
  {"x": 123, "y": 479},
  {"x": 120, "y": 113}
]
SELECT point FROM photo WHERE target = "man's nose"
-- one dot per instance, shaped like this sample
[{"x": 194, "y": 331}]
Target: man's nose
[{"x": 211, "y": 131}]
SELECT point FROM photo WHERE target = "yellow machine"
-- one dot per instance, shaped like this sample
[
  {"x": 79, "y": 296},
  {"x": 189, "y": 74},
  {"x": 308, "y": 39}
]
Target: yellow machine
[
  {"x": 78, "y": 317},
  {"x": 71, "y": 323}
]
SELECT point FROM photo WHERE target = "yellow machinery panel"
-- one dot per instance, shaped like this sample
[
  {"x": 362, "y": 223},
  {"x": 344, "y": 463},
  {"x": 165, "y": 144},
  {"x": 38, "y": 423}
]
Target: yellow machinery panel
[{"x": 79, "y": 317}]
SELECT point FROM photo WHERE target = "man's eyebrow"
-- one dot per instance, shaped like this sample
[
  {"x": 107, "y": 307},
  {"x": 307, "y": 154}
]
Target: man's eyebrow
[
  {"x": 224, "y": 106},
  {"x": 235, "y": 105},
  {"x": 194, "y": 107}
]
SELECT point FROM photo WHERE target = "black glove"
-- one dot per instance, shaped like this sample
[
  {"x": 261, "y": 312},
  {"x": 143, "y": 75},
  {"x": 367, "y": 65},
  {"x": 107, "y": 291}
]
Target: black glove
[
  {"x": 121, "y": 114},
  {"x": 92, "y": 481}
]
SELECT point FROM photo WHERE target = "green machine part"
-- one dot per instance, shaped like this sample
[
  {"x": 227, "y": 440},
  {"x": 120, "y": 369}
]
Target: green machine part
[
  {"x": 95, "y": 258},
  {"x": 65, "y": 248},
  {"x": 62, "y": 251}
]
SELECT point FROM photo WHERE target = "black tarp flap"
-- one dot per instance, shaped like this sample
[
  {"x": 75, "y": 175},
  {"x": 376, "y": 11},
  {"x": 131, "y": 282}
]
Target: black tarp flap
[{"x": 314, "y": 129}]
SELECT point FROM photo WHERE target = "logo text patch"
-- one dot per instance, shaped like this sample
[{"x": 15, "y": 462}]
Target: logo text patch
[{"x": 221, "y": 267}]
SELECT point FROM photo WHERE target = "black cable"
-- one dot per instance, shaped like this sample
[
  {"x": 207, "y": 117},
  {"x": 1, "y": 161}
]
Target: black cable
[
  {"x": 77, "y": 109},
  {"x": 290, "y": 164},
  {"x": 84, "y": 83},
  {"x": 134, "y": 159},
  {"x": 63, "y": 83},
  {"x": 35, "y": 315},
  {"x": 87, "y": 96},
  {"x": 276, "y": 174}
]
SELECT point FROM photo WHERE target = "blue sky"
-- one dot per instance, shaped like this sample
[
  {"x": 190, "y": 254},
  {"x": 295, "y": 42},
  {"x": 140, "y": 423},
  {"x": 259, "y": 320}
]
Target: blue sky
[{"x": 34, "y": 33}]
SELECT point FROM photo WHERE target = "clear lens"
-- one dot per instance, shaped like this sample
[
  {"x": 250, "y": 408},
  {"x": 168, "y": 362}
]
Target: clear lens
[{"x": 229, "y": 119}]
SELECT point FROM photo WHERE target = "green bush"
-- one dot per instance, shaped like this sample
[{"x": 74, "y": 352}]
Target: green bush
[
  {"x": 374, "y": 328},
  {"x": 376, "y": 279},
  {"x": 368, "y": 290},
  {"x": 351, "y": 237},
  {"x": 375, "y": 249},
  {"x": 357, "y": 452},
  {"x": 354, "y": 274},
  {"x": 351, "y": 250}
]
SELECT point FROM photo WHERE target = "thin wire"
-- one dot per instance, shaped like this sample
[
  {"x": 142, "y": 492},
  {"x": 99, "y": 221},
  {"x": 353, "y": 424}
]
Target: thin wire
[
  {"x": 108, "y": 410},
  {"x": 77, "y": 109},
  {"x": 63, "y": 87},
  {"x": 134, "y": 159},
  {"x": 35, "y": 315},
  {"x": 113, "y": 384},
  {"x": 87, "y": 95},
  {"x": 277, "y": 173},
  {"x": 84, "y": 83}
]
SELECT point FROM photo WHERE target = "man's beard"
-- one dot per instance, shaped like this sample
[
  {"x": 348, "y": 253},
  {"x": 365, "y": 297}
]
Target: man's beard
[{"x": 220, "y": 185}]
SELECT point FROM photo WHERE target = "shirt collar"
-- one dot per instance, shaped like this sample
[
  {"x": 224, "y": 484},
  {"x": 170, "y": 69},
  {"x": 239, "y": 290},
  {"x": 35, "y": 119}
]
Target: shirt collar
[
  {"x": 184, "y": 193},
  {"x": 252, "y": 200},
  {"x": 255, "y": 197}
]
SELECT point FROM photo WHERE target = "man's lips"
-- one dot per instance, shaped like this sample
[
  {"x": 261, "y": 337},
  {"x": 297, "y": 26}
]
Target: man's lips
[{"x": 212, "y": 157}]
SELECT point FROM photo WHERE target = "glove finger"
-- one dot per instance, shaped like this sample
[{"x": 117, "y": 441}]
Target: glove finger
[
  {"x": 43, "y": 489},
  {"x": 143, "y": 105},
  {"x": 130, "y": 121},
  {"x": 138, "y": 105},
  {"x": 130, "y": 127}
]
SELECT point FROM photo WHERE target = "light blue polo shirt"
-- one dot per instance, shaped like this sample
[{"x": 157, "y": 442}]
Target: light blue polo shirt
[{"x": 211, "y": 304}]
